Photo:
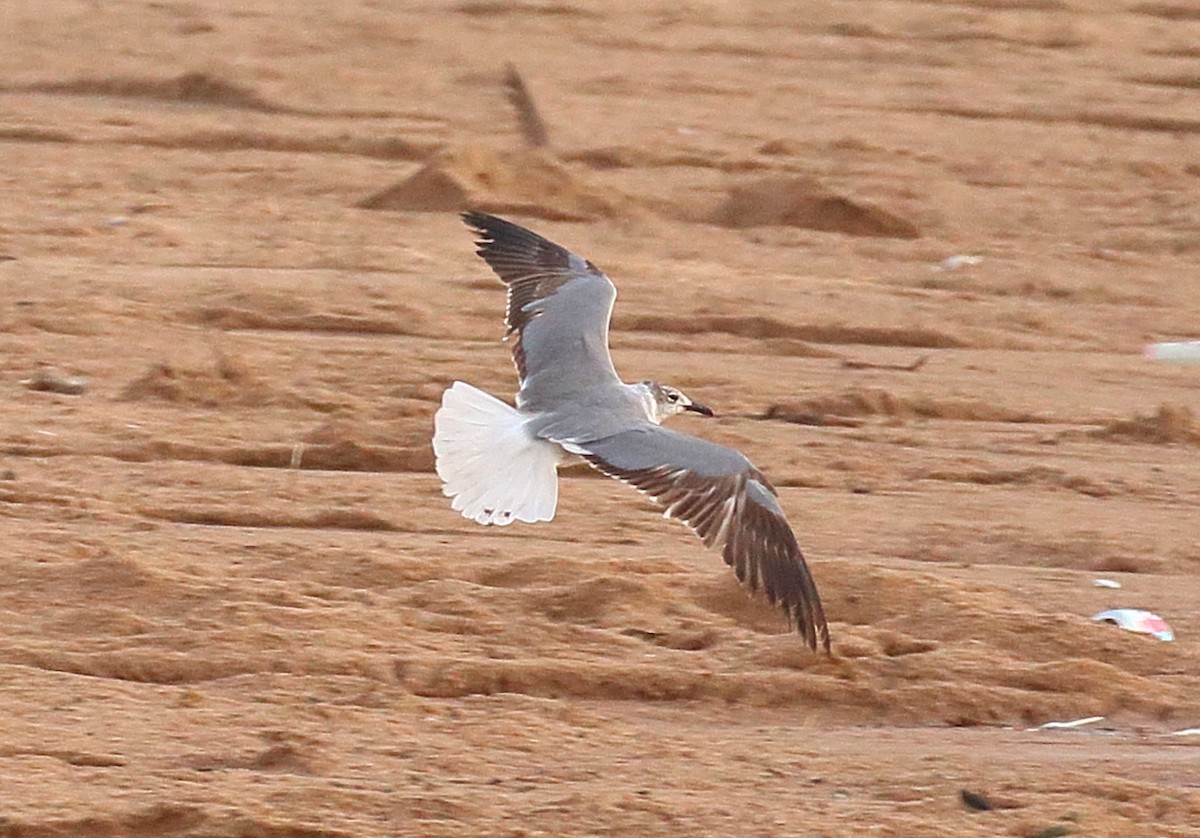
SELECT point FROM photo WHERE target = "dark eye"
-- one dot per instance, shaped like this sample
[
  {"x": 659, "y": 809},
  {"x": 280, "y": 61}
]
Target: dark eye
[{"x": 673, "y": 397}]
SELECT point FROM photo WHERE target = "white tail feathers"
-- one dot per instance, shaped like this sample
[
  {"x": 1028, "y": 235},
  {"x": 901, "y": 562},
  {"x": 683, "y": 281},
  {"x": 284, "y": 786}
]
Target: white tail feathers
[{"x": 490, "y": 466}]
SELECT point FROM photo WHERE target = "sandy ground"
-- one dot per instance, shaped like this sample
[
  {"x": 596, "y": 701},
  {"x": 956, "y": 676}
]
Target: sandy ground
[{"x": 235, "y": 602}]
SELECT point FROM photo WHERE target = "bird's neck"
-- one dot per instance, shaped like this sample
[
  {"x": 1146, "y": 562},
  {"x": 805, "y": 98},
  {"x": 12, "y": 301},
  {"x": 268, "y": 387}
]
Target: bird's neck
[{"x": 649, "y": 403}]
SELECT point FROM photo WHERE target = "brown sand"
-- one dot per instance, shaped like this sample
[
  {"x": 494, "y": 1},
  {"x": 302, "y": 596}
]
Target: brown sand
[{"x": 235, "y": 602}]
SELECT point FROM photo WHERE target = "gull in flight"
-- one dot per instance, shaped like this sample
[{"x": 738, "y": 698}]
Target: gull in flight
[{"x": 499, "y": 464}]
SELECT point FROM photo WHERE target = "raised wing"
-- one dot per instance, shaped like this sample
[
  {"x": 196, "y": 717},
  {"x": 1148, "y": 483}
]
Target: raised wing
[
  {"x": 559, "y": 306},
  {"x": 728, "y": 502}
]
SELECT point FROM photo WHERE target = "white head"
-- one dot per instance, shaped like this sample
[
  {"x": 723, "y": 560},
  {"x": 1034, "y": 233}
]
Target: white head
[{"x": 663, "y": 401}]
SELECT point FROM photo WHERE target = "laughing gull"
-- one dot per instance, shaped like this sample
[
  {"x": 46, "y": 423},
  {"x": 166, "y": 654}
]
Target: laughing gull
[{"x": 499, "y": 464}]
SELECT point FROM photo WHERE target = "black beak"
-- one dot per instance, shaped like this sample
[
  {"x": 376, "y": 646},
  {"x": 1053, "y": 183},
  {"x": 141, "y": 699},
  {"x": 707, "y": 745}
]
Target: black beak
[{"x": 702, "y": 409}]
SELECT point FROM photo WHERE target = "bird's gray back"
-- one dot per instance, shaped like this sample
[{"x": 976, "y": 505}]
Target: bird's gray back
[{"x": 590, "y": 413}]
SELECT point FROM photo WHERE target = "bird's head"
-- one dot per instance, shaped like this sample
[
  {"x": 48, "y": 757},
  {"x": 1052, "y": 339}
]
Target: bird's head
[{"x": 668, "y": 401}]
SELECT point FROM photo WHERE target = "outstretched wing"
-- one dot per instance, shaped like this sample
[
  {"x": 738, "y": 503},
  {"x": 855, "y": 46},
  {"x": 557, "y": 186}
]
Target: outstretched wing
[
  {"x": 559, "y": 305},
  {"x": 727, "y": 502}
]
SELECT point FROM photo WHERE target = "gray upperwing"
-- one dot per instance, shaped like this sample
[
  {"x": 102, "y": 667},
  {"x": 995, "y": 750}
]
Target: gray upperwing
[
  {"x": 653, "y": 446},
  {"x": 559, "y": 305},
  {"x": 728, "y": 502}
]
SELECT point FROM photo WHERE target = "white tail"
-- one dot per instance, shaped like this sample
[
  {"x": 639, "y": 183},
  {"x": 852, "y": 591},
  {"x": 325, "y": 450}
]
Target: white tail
[{"x": 494, "y": 471}]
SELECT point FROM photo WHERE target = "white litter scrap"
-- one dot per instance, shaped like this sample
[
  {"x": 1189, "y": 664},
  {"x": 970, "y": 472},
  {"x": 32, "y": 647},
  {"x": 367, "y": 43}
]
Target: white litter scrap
[
  {"x": 959, "y": 260},
  {"x": 1107, "y": 583},
  {"x": 1183, "y": 352},
  {"x": 1071, "y": 725}
]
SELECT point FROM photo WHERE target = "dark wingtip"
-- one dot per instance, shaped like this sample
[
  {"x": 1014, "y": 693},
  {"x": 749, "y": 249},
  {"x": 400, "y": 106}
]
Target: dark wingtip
[
  {"x": 493, "y": 228},
  {"x": 477, "y": 221},
  {"x": 488, "y": 230},
  {"x": 808, "y": 617},
  {"x": 816, "y": 631}
]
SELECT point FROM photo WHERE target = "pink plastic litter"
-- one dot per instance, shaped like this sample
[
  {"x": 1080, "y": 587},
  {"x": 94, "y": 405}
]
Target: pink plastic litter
[{"x": 1137, "y": 620}]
